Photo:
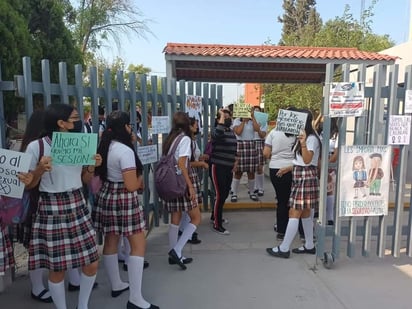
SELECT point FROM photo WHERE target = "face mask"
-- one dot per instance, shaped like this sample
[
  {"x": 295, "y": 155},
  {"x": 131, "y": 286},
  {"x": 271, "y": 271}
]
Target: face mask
[
  {"x": 77, "y": 127},
  {"x": 228, "y": 122}
]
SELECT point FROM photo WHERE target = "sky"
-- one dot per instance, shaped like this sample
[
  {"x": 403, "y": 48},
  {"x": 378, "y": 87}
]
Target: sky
[{"x": 237, "y": 22}]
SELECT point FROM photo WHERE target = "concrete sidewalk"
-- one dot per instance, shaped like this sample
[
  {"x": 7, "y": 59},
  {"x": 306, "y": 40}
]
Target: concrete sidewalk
[{"x": 235, "y": 272}]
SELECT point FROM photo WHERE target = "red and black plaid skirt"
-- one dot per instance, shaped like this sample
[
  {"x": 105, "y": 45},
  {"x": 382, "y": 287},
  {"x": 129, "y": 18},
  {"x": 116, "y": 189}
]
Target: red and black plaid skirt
[
  {"x": 248, "y": 156},
  {"x": 184, "y": 203},
  {"x": 62, "y": 236},
  {"x": 305, "y": 188},
  {"x": 6, "y": 251},
  {"x": 117, "y": 211},
  {"x": 259, "y": 144}
]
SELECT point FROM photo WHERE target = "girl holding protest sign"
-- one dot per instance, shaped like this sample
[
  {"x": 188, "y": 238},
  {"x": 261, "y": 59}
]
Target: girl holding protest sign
[
  {"x": 304, "y": 193},
  {"x": 62, "y": 234}
]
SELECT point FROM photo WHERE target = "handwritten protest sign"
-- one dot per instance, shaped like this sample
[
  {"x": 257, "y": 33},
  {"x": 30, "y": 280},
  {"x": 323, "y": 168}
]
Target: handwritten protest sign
[
  {"x": 346, "y": 99},
  {"x": 147, "y": 154},
  {"x": 399, "y": 129},
  {"x": 160, "y": 124},
  {"x": 241, "y": 110},
  {"x": 11, "y": 163},
  {"x": 73, "y": 148},
  {"x": 194, "y": 108},
  {"x": 290, "y": 121},
  {"x": 364, "y": 180},
  {"x": 261, "y": 118}
]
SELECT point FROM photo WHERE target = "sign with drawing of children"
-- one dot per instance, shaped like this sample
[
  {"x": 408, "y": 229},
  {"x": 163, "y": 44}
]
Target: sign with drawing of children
[
  {"x": 364, "y": 181},
  {"x": 194, "y": 108}
]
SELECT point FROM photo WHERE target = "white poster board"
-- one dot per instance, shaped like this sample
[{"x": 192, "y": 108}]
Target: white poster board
[
  {"x": 364, "y": 180},
  {"x": 346, "y": 99},
  {"x": 194, "y": 108},
  {"x": 290, "y": 121},
  {"x": 160, "y": 124},
  {"x": 147, "y": 154},
  {"x": 11, "y": 163},
  {"x": 399, "y": 129}
]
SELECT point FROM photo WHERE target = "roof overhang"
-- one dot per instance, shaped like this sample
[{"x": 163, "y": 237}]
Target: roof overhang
[{"x": 261, "y": 64}]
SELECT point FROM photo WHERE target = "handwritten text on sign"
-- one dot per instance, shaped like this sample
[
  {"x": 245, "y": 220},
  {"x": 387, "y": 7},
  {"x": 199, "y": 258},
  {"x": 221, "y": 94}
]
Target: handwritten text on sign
[
  {"x": 73, "y": 148},
  {"x": 290, "y": 121},
  {"x": 241, "y": 110},
  {"x": 147, "y": 154},
  {"x": 160, "y": 124},
  {"x": 346, "y": 99},
  {"x": 399, "y": 130},
  {"x": 11, "y": 163}
]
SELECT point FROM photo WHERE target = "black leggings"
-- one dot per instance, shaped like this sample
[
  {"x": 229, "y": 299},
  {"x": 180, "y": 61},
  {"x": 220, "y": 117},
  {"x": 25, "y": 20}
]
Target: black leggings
[
  {"x": 221, "y": 176},
  {"x": 282, "y": 187}
]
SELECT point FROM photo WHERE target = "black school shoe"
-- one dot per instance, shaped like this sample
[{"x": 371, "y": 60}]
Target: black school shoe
[
  {"x": 303, "y": 250},
  {"x": 39, "y": 297},
  {"x": 279, "y": 254},
  {"x": 195, "y": 240},
  {"x": 184, "y": 260}
]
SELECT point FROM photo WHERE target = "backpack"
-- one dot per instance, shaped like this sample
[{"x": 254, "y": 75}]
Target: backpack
[
  {"x": 16, "y": 210},
  {"x": 169, "y": 181}
]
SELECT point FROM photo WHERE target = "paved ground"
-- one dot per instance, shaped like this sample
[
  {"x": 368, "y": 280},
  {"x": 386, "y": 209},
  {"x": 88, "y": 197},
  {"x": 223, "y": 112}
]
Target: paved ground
[{"x": 235, "y": 272}]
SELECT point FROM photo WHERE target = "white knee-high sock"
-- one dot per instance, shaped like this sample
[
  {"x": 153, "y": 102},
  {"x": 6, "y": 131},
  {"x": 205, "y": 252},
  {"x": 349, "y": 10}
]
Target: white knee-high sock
[
  {"x": 259, "y": 182},
  {"x": 184, "y": 221},
  {"x": 36, "y": 279},
  {"x": 251, "y": 185},
  {"x": 74, "y": 276},
  {"x": 186, "y": 235},
  {"x": 173, "y": 235},
  {"x": 290, "y": 234},
  {"x": 126, "y": 250},
  {"x": 57, "y": 294},
  {"x": 135, "y": 279},
  {"x": 112, "y": 270},
  {"x": 330, "y": 201},
  {"x": 86, "y": 286},
  {"x": 307, "y": 224},
  {"x": 235, "y": 185}
]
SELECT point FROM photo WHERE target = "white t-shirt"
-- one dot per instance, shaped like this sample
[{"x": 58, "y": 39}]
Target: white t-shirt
[
  {"x": 197, "y": 151},
  {"x": 282, "y": 154},
  {"x": 248, "y": 132},
  {"x": 61, "y": 178},
  {"x": 312, "y": 144},
  {"x": 184, "y": 149},
  {"x": 120, "y": 159}
]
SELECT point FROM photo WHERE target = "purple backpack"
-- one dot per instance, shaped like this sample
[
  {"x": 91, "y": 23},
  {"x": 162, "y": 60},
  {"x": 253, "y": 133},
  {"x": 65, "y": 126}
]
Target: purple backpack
[{"x": 169, "y": 181}]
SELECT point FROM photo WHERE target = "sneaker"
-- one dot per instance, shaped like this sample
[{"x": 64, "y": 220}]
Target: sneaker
[{"x": 220, "y": 230}]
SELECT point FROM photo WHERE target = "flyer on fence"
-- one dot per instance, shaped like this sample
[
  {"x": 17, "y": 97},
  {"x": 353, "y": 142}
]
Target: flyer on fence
[
  {"x": 194, "y": 108},
  {"x": 160, "y": 124},
  {"x": 346, "y": 99},
  {"x": 68, "y": 148},
  {"x": 365, "y": 175},
  {"x": 11, "y": 163},
  {"x": 399, "y": 129}
]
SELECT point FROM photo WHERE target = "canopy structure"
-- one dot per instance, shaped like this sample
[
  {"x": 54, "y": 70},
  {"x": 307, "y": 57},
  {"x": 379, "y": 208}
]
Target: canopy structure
[{"x": 260, "y": 63}]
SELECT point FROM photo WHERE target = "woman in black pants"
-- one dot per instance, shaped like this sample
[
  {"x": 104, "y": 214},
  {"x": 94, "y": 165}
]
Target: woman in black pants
[
  {"x": 223, "y": 161},
  {"x": 278, "y": 148}
]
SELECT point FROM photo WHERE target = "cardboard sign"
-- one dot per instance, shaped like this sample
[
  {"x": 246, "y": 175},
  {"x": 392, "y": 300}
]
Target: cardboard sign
[
  {"x": 290, "y": 121},
  {"x": 346, "y": 99},
  {"x": 11, "y": 163},
  {"x": 147, "y": 154},
  {"x": 69, "y": 148},
  {"x": 399, "y": 130},
  {"x": 241, "y": 110},
  {"x": 364, "y": 180},
  {"x": 261, "y": 118},
  {"x": 160, "y": 124}
]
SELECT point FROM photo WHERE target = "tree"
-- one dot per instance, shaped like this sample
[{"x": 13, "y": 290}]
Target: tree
[{"x": 94, "y": 22}]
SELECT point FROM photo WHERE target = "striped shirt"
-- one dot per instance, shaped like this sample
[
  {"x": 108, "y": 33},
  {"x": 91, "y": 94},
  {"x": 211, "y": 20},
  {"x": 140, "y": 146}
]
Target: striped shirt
[{"x": 224, "y": 146}]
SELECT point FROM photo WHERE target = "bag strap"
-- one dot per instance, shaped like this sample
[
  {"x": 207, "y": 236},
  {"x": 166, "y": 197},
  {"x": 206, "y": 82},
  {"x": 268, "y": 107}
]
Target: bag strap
[
  {"x": 41, "y": 148},
  {"x": 175, "y": 143}
]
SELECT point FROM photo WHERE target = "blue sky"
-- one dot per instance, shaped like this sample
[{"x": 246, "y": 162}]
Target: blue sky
[{"x": 238, "y": 22}]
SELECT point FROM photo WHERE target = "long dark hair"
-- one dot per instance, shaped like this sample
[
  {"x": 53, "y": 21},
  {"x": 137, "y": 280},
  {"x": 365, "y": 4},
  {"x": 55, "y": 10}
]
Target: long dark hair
[
  {"x": 115, "y": 130},
  {"x": 34, "y": 129},
  {"x": 180, "y": 124},
  {"x": 309, "y": 130},
  {"x": 53, "y": 113}
]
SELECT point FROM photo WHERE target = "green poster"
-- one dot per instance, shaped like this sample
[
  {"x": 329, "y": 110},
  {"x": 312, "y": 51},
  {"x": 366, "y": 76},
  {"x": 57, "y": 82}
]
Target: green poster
[{"x": 73, "y": 148}]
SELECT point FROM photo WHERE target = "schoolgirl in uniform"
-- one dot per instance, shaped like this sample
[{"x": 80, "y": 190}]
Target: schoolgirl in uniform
[
  {"x": 62, "y": 234},
  {"x": 304, "y": 193},
  {"x": 117, "y": 212},
  {"x": 189, "y": 202}
]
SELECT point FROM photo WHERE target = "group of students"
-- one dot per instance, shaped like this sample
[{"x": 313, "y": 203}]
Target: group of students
[{"x": 62, "y": 236}]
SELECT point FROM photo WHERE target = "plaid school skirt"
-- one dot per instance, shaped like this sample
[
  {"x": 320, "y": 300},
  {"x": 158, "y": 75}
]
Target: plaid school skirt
[
  {"x": 305, "y": 188},
  {"x": 259, "y": 144},
  {"x": 6, "y": 251},
  {"x": 62, "y": 235},
  {"x": 248, "y": 156},
  {"x": 184, "y": 203},
  {"x": 117, "y": 211}
]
